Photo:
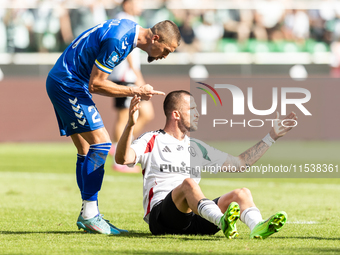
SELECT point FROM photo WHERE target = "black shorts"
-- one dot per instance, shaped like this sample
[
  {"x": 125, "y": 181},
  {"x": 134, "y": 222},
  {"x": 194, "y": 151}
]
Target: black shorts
[
  {"x": 165, "y": 218},
  {"x": 122, "y": 102}
]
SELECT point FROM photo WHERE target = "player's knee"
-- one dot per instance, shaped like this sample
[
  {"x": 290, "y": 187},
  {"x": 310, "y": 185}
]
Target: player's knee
[
  {"x": 242, "y": 194},
  {"x": 189, "y": 184},
  {"x": 83, "y": 151},
  {"x": 246, "y": 192}
]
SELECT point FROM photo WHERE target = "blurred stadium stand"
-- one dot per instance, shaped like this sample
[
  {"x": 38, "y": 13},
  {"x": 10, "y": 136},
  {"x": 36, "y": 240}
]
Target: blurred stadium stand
[{"x": 215, "y": 32}]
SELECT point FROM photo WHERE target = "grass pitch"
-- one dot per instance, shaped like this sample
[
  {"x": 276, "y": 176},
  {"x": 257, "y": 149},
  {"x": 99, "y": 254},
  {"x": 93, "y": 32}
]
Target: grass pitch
[{"x": 40, "y": 203}]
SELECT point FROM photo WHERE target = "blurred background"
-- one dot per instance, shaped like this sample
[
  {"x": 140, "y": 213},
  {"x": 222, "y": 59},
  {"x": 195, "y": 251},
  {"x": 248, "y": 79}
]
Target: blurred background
[{"x": 220, "y": 38}]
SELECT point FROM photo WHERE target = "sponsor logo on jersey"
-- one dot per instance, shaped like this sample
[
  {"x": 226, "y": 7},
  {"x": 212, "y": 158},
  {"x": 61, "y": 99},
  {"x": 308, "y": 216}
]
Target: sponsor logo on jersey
[
  {"x": 168, "y": 168},
  {"x": 166, "y": 149}
]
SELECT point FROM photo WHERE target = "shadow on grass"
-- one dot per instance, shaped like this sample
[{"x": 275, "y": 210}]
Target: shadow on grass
[
  {"x": 40, "y": 232},
  {"x": 131, "y": 234},
  {"x": 134, "y": 234}
]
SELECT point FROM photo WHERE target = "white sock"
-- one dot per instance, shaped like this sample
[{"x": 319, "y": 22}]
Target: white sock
[
  {"x": 89, "y": 209},
  {"x": 251, "y": 216},
  {"x": 208, "y": 210}
]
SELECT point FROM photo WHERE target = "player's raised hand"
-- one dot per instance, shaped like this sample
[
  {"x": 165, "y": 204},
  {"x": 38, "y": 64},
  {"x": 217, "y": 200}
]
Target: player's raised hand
[
  {"x": 278, "y": 130},
  {"x": 133, "y": 110},
  {"x": 146, "y": 92}
]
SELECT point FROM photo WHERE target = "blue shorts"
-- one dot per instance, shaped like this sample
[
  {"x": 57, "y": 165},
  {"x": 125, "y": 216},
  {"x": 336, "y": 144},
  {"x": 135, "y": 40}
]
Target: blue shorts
[{"x": 76, "y": 112}]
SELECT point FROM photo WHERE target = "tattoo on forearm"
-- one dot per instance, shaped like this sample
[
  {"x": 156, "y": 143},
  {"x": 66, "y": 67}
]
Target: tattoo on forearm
[
  {"x": 247, "y": 158},
  {"x": 254, "y": 153},
  {"x": 233, "y": 161}
]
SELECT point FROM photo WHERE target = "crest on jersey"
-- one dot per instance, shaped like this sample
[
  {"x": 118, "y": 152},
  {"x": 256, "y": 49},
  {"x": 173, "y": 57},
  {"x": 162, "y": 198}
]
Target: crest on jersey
[{"x": 192, "y": 151}]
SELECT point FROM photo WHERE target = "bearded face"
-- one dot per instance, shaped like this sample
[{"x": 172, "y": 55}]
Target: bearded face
[
  {"x": 150, "y": 59},
  {"x": 189, "y": 115},
  {"x": 160, "y": 50}
]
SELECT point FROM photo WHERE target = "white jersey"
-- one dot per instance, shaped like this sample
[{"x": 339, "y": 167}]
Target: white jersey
[
  {"x": 166, "y": 162},
  {"x": 123, "y": 71}
]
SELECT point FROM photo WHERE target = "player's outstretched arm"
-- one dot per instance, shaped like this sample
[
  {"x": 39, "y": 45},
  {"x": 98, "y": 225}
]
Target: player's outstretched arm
[
  {"x": 124, "y": 154},
  {"x": 253, "y": 154},
  {"x": 278, "y": 130},
  {"x": 146, "y": 92},
  {"x": 99, "y": 84}
]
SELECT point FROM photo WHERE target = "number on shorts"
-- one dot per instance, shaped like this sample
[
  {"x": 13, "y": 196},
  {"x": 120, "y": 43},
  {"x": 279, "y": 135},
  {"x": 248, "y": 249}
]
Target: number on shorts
[{"x": 95, "y": 114}]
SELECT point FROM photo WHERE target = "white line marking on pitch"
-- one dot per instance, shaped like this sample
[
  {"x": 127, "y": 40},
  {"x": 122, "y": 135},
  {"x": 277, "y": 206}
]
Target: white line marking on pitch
[{"x": 303, "y": 222}]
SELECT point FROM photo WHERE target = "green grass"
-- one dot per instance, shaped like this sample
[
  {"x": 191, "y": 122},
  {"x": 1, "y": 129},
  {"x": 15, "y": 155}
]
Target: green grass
[{"x": 40, "y": 203}]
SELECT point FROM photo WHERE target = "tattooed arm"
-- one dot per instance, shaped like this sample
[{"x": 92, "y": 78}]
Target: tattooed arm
[
  {"x": 247, "y": 158},
  {"x": 253, "y": 154}
]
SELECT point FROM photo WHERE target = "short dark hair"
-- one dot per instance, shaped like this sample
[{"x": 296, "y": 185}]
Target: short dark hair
[
  {"x": 173, "y": 101},
  {"x": 167, "y": 31}
]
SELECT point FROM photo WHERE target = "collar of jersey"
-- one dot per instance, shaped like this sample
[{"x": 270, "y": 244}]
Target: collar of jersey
[
  {"x": 136, "y": 36},
  {"x": 186, "y": 138}
]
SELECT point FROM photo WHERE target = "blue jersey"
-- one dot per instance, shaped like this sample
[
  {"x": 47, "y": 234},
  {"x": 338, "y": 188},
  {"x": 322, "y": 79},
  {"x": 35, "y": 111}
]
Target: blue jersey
[{"x": 104, "y": 45}]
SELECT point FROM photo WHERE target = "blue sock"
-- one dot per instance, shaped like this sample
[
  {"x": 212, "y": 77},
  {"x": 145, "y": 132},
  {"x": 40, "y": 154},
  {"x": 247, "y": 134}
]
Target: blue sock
[
  {"x": 79, "y": 166},
  {"x": 93, "y": 170}
]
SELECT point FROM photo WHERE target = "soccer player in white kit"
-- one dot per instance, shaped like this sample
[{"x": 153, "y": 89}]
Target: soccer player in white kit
[{"x": 173, "y": 201}]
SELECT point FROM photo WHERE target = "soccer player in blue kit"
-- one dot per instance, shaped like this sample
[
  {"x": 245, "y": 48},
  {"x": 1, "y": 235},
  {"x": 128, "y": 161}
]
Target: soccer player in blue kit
[{"x": 83, "y": 69}]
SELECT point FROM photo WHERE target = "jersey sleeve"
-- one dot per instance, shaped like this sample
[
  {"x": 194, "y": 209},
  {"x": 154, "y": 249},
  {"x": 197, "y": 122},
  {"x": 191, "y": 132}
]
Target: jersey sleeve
[
  {"x": 108, "y": 56},
  {"x": 211, "y": 156},
  {"x": 117, "y": 43},
  {"x": 141, "y": 146}
]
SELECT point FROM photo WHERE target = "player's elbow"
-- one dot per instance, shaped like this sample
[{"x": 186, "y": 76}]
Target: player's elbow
[
  {"x": 240, "y": 158},
  {"x": 123, "y": 159},
  {"x": 92, "y": 88},
  {"x": 119, "y": 159},
  {"x": 95, "y": 85},
  {"x": 241, "y": 161}
]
